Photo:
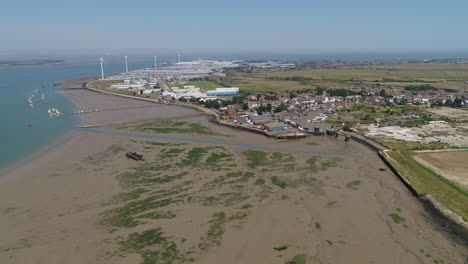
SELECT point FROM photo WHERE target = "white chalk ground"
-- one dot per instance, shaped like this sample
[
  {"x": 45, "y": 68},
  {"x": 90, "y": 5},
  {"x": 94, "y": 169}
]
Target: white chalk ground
[{"x": 432, "y": 132}]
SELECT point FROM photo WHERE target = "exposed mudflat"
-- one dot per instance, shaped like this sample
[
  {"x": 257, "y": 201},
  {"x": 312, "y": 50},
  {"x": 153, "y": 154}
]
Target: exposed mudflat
[{"x": 210, "y": 194}]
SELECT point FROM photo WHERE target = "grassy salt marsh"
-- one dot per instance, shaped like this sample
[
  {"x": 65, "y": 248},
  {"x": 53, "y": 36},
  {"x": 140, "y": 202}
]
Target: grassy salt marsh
[{"x": 426, "y": 181}]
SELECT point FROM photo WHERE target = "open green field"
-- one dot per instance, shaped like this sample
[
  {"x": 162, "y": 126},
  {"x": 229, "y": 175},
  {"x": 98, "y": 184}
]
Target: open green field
[
  {"x": 198, "y": 84},
  {"x": 443, "y": 76},
  {"x": 426, "y": 181},
  {"x": 98, "y": 84},
  {"x": 366, "y": 114}
]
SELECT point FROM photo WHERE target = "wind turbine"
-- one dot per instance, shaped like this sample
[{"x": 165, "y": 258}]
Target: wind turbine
[
  {"x": 126, "y": 65},
  {"x": 102, "y": 68},
  {"x": 178, "y": 55},
  {"x": 155, "y": 61}
]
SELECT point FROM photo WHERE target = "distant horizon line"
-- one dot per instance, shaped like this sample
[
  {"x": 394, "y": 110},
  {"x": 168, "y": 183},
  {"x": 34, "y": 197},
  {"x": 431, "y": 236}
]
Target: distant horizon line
[
  {"x": 389, "y": 55},
  {"x": 166, "y": 53}
]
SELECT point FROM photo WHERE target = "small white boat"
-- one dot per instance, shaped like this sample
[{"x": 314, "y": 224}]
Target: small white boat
[
  {"x": 44, "y": 99},
  {"x": 54, "y": 112}
]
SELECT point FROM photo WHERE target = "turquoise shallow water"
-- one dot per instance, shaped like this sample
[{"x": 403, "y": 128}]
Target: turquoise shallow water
[{"x": 17, "y": 138}]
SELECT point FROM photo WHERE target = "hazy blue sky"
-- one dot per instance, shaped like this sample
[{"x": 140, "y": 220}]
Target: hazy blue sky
[{"x": 235, "y": 27}]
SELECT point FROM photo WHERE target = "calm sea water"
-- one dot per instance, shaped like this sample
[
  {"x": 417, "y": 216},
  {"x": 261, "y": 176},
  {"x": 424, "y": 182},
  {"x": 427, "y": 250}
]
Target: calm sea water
[{"x": 23, "y": 129}]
